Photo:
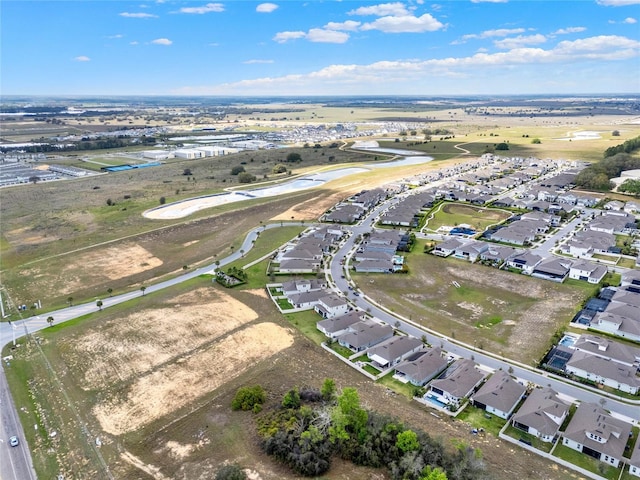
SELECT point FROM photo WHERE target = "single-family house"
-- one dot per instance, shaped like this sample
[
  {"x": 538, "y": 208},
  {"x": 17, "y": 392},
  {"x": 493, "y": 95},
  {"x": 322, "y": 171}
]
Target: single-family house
[
  {"x": 335, "y": 326},
  {"x": 554, "y": 269},
  {"x": 365, "y": 334},
  {"x": 541, "y": 414},
  {"x": 594, "y": 432},
  {"x": 457, "y": 382},
  {"x": 634, "y": 462},
  {"x": 421, "y": 367},
  {"x": 587, "y": 271},
  {"x": 604, "y": 372},
  {"x": 331, "y": 305},
  {"x": 499, "y": 395},
  {"x": 394, "y": 350},
  {"x": 471, "y": 251},
  {"x": 525, "y": 262},
  {"x": 302, "y": 285},
  {"x": 498, "y": 254},
  {"x": 306, "y": 300},
  {"x": 448, "y": 247},
  {"x": 298, "y": 265},
  {"x": 631, "y": 279}
]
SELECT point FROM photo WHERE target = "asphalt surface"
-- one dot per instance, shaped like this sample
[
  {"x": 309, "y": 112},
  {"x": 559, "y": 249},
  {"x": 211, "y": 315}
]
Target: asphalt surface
[{"x": 16, "y": 464}]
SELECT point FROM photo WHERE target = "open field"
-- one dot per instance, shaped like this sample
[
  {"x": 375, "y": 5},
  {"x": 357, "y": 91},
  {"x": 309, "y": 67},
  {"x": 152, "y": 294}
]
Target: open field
[
  {"x": 506, "y": 313},
  {"x": 452, "y": 214},
  {"x": 176, "y": 359}
]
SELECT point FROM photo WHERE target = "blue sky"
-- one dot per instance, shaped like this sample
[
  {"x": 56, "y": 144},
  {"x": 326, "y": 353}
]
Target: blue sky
[{"x": 313, "y": 47}]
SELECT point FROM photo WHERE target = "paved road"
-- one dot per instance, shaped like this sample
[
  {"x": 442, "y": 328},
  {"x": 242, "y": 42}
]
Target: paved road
[{"x": 340, "y": 278}]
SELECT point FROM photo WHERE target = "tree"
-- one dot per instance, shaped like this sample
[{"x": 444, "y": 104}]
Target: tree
[
  {"x": 142, "y": 289},
  {"x": 187, "y": 172},
  {"x": 407, "y": 441},
  {"x": 50, "y": 320},
  {"x": 237, "y": 170},
  {"x": 109, "y": 291},
  {"x": 110, "y": 202},
  {"x": 279, "y": 168},
  {"x": 433, "y": 474},
  {"x": 34, "y": 179},
  {"x": 70, "y": 301},
  {"x": 294, "y": 158},
  {"x": 615, "y": 133},
  {"x": 249, "y": 398},
  {"x": 163, "y": 200},
  {"x": 245, "y": 177},
  {"x": 99, "y": 304},
  {"x": 502, "y": 146},
  {"x": 328, "y": 389},
  {"x": 291, "y": 399},
  {"x": 536, "y": 141}
]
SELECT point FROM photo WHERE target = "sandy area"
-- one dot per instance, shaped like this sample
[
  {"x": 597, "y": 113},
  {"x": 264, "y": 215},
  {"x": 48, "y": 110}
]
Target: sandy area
[
  {"x": 116, "y": 262},
  {"x": 171, "y": 387},
  {"x": 147, "y": 339}
]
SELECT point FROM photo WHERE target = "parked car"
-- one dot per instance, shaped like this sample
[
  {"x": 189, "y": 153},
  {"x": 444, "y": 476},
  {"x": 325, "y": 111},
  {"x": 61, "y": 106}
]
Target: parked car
[{"x": 13, "y": 441}]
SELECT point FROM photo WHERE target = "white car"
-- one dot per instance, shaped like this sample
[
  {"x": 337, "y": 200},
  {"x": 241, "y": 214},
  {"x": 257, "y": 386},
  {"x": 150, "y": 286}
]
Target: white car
[{"x": 13, "y": 441}]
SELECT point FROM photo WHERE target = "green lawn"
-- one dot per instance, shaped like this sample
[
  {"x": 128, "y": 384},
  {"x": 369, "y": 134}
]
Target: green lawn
[
  {"x": 477, "y": 418},
  {"x": 306, "y": 322},
  {"x": 586, "y": 462},
  {"x": 406, "y": 389},
  {"x": 535, "y": 441},
  {"x": 453, "y": 214}
]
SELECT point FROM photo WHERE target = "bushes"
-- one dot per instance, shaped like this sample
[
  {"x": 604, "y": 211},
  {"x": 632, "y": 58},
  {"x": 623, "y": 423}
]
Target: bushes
[
  {"x": 249, "y": 398},
  {"x": 230, "y": 472}
]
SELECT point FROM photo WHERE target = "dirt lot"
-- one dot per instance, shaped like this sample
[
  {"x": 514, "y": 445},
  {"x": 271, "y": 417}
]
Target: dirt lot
[{"x": 493, "y": 309}]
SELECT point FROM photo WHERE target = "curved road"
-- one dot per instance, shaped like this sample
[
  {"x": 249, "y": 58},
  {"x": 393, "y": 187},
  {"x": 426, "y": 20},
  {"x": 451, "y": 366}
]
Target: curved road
[{"x": 15, "y": 463}]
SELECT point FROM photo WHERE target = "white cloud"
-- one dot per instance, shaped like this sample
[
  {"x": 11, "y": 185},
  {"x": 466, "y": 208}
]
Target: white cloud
[
  {"x": 119, "y": 35},
  {"x": 630, "y": 20},
  {"x": 161, "y": 41},
  {"x": 565, "y": 31},
  {"x": 82, "y": 58},
  {"x": 320, "y": 35},
  {"x": 404, "y": 24},
  {"x": 520, "y": 41},
  {"x": 266, "y": 7},
  {"x": 349, "y": 25},
  {"x": 617, "y": 3},
  {"x": 390, "y": 75},
  {"x": 256, "y": 61},
  {"x": 137, "y": 15},
  {"x": 133, "y": 43},
  {"x": 282, "y": 37},
  {"x": 381, "y": 10},
  {"x": 213, "y": 44},
  {"x": 500, "y": 32},
  {"x": 209, "y": 7}
]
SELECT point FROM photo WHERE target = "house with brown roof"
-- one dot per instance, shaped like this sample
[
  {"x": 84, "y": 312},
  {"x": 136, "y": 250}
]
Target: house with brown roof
[
  {"x": 594, "y": 432},
  {"x": 499, "y": 395},
  {"x": 541, "y": 414}
]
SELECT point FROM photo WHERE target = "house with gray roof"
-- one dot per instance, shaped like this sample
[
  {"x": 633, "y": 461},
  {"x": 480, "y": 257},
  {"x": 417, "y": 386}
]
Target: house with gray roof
[
  {"x": 604, "y": 372},
  {"x": 588, "y": 271},
  {"x": 297, "y": 265},
  {"x": 418, "y": 369},
  {"x": 344, "y": 214},
  {"x": 335, "y": 326},
  {"x": 525, "y": 262},
  {"x": 499, "y": 395},
  {"x": 448, "y": 247},
  {"x": 471, "y": 251},
  {"x": 618, "y": 325},
  {"x": 457, "y": 382},
  {"x": 608, "y": 349},
  {"x": 587, "y": 242},
  {"x": 498, "y": 254},
  {"x": 306, "y": 300},
  {"x": 331, "y": 305},
  {"x": 634, "y": 462},
  {"x": 631, "y": 278},
  {"x": 302, "y": 285},
  {"x": 365, "y": 334},
  {"x": 555, "y": 269},
  {"x": 394, "y": 350},
  {"x": 594, "y": 432},
  {"x": 541, "y": 414}
]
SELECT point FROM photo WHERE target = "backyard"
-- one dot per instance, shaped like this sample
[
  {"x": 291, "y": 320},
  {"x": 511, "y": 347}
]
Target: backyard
[{"x": 456, "y": 214}]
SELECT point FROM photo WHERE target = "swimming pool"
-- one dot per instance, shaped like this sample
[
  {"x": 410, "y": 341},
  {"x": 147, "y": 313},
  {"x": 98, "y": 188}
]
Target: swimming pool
[
  {"x": 429, "y": 397},
  {"x": 568, "y": 341}
]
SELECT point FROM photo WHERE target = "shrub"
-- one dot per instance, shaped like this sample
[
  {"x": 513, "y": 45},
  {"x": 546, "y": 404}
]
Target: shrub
[
  {"x": 230, "y": 472},
  {"x": 237, "y": 170},
  {"x": 247, "y": 398},
  {"x": 246, "y": 177}
]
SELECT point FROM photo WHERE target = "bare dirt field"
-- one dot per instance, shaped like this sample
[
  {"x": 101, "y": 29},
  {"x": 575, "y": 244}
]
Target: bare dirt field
[{"x": 492, "y": 309}]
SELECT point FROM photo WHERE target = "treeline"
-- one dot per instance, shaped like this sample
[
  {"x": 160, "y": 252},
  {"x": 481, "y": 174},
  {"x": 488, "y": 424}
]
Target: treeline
[
  {"x": 616, "y": 159},
  {"x": 629, "y": 146},
  {"x": 97, "y": 144},
  {"x": 312, "y": 426},
  {"x": 598, "y": 176}
]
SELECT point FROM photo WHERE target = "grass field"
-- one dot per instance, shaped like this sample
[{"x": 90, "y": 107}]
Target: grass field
[
  {"x": 506, "y": 313},
  {"x": 454, "y": 214}
]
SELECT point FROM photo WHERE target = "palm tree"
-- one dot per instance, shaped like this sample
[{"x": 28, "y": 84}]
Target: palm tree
[
  {"x": 99, "y": 304},
  {"x": 50, "y": 321},
  {"x": 242, "y": 253},
  {"x": 142, "y": 289}
]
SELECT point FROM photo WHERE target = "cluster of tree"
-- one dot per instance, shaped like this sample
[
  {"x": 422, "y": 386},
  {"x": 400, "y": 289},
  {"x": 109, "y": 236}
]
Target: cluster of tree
[
  {"x": 232, "y": 277},
  {"x": 629, "y": 146},
  {"x": 597, "y": 176},
  {"x": 630, "y": 186},
  {"x": 279, "y": 168},
  {"x": 312, "y": 426},
  {"x": 293, "y": 158},
  {"x": 246, "y": 177}
]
